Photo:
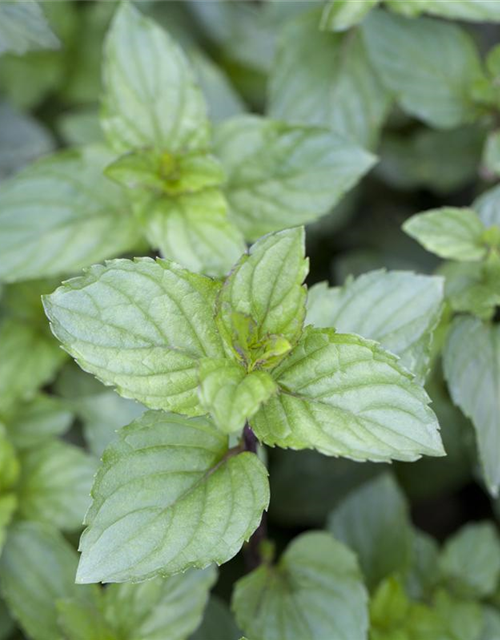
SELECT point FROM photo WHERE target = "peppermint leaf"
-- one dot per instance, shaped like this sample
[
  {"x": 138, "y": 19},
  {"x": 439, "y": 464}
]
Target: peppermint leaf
[
  {"x": 140, "y": 326},
  {"x": 231, "y": 394},
  {"x": 151, "y": 98},
  {"x": 339, "y": 15},
  {"x": 61, "y": 214},
  {"x": 472, "y": 368},
  {"x": 169, "y": 496},
  {"x": 314, "y": 592},
  {"x": 345, "y": 396},
  {"x": 430, "y": 66},
  {"x": 398, "y": 309},
  {"x": 23, "y": 27},
  {"x": 280, "y": 175},
  {"x": 455, "y": 234}
]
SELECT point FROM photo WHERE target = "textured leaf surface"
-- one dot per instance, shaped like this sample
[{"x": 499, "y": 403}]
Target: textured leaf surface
[
  {"x": 450, "y": 233},
  {"x": 62, "y": 214},
  {"x": 36, "y": 569},
  {"x": 280, "y": 175},
  {"x": 23, "y": 27},
  {"x": 470, "y": 560},
  {"x": 151, "y": 98},
  {"x": 345, "y": 396},
  {"x": 140, "y": 326},
  {"x": 315, "y": 592},
  {"x": 158, "y": 609},
  {"x": 344, "y": 95},
  {"x": 374, "y": 522},
  {"x": 266, "y": 286},
  {"x": 232, "y": 395},
  {"x": 474, "y": 11},
  {"x": 398, "y": 309},
  {"x": 55, "y": 484},
  {"x": 169, "y": 497},
  {"x": 429, "y": 65},
  {"x": 195, "y": 231},
  {"x": 472, "y": 368}
]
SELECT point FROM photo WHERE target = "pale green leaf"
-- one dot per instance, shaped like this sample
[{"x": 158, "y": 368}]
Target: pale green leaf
[
  {"x": 266, "y": 286},
  {"x": 424, "y": 571},
  {"x": 37, "y": 568},
  {"x": 169, "y": 496},
  {"x": 82, "y": 620},
  {"x": 280, "y": 175},
  {"x": 472, "y": 287},
  {"x": 470, "y": 10},
  {"x": 222, "y": 99},
  {"x": 398, "y": 309},
  {"x": 151, "y": 98},
  {"x": 22, "y": 139},
  {"x": 29, "y": 358},
  {"x": 217, "y": 623},
  {"x": 61, "y": 214},
  {"x": 8, "y": 506},
  {"x": 470, "y": 560},
  {"x": 315, "y": 592},
  {"x": 491, "y": 155},
  {"x": 141, "y": 326},
  {"x": 491, "y": 620},
  {"x": 9, "y": 467},
  {"x": 374, "y": 522},
  {"x": 343, "y": 94},
  {"x": 430, "y": 66},
  {"x": 488, "y": 207},
  {"x": 159, "y": 609},
  {"x": 194, "y": 230},
  {"x": 452, "y": 233},
  {"x": 102, "y": 415},
  {"x": 231, "y": 394},
  {"x": 55, "y": 483},
  {"x": 472, "y": 368},
  {"x": 345, "y": 396},
  {"x": 339, "y": 15},
  {"x": 23, "y": 27},
  {"x": 34, "y": 422}
]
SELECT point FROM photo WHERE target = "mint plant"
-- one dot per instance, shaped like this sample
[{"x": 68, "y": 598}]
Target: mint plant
[{"x": 193, "y": 412}]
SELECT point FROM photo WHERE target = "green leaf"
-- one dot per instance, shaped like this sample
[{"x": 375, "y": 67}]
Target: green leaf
[
  {"x": 430, "y": 66},
  {"x": 452, "y": 233},
  {"x": 280, "y": 175},
  {"x": 194, "y": 230},
  {"x": 374, "y": 522},
  {"x": 470, "y": 560},
  {"x": 8, "y": 506},
  {"x": 471, "y": 10},
  {"x": 217, "y": 623},
  {"x": 339, "y": 15},
  {"x": 83, "y": 621},
  {"x": 151, "y": 98},
  {"x": 29, "y": 358},
  {"x": 266, "y": 287},
  {"x": 61, "y": 214},
  {"x": 9, "y": 469},
  {"x": 159, "y": 609},
  {"x": 345, "y": 396},
  {"x": 37, "y": 568},
  {"x": 22, "y": 139},
  {"x": 344, "y": 95},
  {"x": 34, "y": 422},
  {"x": 169, "y": 496},
  {"x": 424, "y": 573},
  {"x": 487, "y": 207},
  {"x": 398, "y": 309},
  {"x": 102, "y": 415},
  {"x": 141, "y": 326},
  {"x": 23, "y": 27},
  {"x": 472, "y": 287},
  {"x": 491, "y": 155},
  {"x": 315, "y": 592},
  {"x": 7, "y": 625},
  {"x": 55, "y": 483},
  {"x": 491, "y": 619},
  {"x": 472, "y": 368},
  {"x": 231, "y": 394}
]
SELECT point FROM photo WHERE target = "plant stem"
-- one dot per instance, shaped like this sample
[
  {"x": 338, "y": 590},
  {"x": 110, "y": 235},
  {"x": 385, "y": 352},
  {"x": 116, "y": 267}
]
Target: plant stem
[{"x": 252, "y": 550}]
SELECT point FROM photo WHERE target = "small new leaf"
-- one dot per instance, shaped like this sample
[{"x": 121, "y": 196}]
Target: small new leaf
[{"x": 170, "y": 495}]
